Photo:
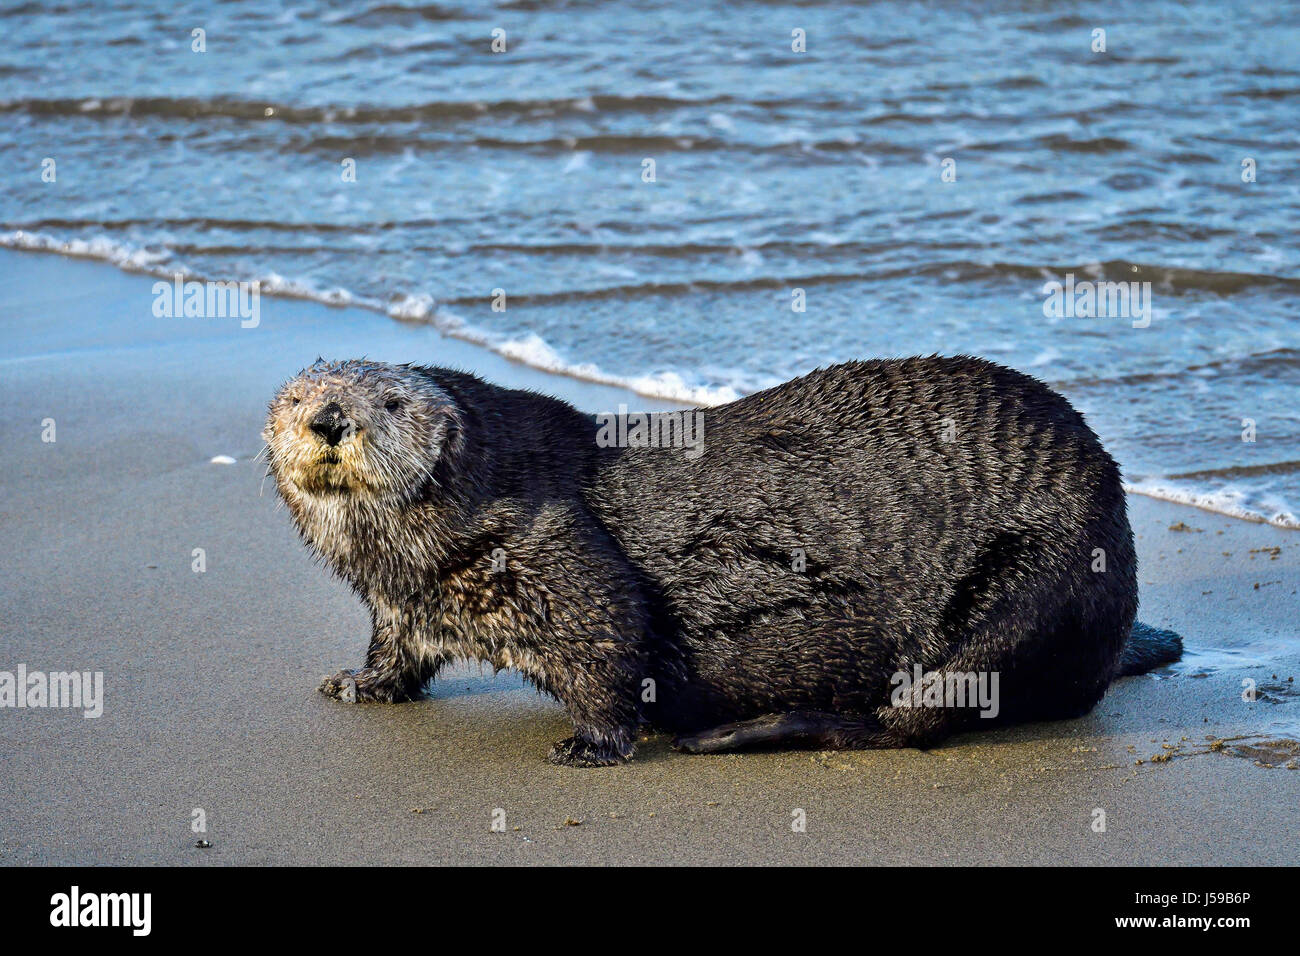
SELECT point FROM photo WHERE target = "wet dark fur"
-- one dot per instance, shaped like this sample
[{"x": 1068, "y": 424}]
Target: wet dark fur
[{"x": 627, "y": 565}]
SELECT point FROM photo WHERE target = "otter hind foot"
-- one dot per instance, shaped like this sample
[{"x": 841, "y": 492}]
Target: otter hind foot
[
  {"x": 366, "y": 685},
  {"x": 807, "y": 729}
]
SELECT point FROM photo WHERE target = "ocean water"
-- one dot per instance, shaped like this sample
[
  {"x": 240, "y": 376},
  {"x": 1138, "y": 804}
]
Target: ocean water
[{"x": 922, "y": 172}]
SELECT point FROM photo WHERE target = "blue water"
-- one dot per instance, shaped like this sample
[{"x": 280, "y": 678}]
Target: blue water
[{"x": 774, "y": 171}]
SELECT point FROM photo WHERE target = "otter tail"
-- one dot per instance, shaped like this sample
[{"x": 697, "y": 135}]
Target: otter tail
[{"x": 1147, "y": 648}]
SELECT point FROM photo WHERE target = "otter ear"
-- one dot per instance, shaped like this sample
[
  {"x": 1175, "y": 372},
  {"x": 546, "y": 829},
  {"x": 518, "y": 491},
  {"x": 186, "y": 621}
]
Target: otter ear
[
  {"x": 449, "y": 430},
  {"x": 268, "y": 429}
]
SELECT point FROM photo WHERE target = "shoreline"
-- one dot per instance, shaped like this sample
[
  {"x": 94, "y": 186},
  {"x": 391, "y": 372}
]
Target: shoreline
[
  {"x": 419, "y": 311},
  {"x": 209, "y": 677},
  {"x": 662, "y": 392}
]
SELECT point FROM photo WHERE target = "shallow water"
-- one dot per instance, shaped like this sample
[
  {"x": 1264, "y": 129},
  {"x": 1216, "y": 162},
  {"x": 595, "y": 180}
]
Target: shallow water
[{"x": 774, "y": 171}]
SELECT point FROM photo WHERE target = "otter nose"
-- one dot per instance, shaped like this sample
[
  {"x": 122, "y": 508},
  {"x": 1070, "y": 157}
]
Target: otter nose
[{"x": 331, "y": 424}]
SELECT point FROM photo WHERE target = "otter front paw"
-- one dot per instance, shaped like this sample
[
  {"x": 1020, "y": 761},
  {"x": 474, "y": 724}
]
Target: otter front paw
[
  {"x": 364, "y": 685},
  {"x": 580, "y": 752}
]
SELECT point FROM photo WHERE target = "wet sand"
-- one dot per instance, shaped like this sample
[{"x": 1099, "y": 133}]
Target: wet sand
[{"x": 210, "y": 677}]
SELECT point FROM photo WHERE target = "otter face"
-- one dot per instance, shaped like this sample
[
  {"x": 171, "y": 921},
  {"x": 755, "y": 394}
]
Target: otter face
[{"x": 357, "y": 428}]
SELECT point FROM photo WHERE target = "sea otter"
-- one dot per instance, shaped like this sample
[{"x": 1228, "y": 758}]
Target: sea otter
[{"x": 823, "y": 568}]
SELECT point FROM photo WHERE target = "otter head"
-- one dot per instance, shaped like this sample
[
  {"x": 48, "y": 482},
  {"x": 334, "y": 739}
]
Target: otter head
[{"x": 364, "y": 430}]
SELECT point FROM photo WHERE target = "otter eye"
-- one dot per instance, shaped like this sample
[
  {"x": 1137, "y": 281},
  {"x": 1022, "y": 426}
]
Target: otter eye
[{"x": 393, "y": 405}]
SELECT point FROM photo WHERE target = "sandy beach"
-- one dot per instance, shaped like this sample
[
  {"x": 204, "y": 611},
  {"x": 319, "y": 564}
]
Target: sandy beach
[{"x": 209, "y": 678}]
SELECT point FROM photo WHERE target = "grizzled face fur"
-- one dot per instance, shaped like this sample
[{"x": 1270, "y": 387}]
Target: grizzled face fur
[{"x": 366, "y": 430}]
